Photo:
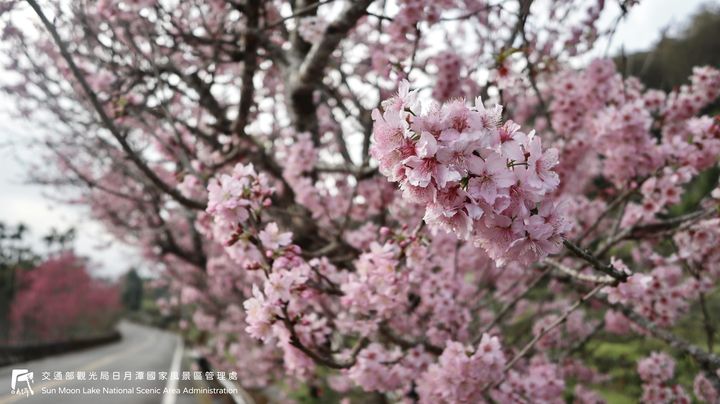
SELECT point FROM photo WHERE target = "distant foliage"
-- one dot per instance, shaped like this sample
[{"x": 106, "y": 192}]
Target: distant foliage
[
  {"x": 15, "y": 255},
  {"x": 58, "y": 300},
  {"x": 672, "y": 59},
  {"x": 132, "y": 294}
]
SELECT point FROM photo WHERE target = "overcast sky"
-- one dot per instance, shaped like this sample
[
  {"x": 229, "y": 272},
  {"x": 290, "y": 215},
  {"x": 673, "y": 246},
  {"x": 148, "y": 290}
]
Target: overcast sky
[
  {"x": 645, "y": 22},
  {"x": 28, "y": 204}
]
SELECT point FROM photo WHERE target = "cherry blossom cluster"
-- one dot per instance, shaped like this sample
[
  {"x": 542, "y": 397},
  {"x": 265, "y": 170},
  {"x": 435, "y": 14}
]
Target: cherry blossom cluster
[
  {"x": 656, "y": 372},
  {"x": 658, "y": 193},
  {"x": 689, "y": 99},
  {"x": 287, "y": 276},
  {"x": 601, "y": 113},
  {"x": 540, "y": 382},
  {"x": 628, "y": 125},
  {"x": 377, "y": 286},
  {"x": 483, "y": 180},
  {"x": 700, "y": 245},
  {"x": 379, "y": 368},
  {"x": 447, "y": 84},
  {"x": 662, "y": 294},
  {"x": 59, "y": 299},
  {"x": 234, "y": 198},
  {"x": 579, "y": 92},
  {"x": 696, "y": 144},
  {"x": 461, "y": 374},
  {"x": 412, "y": 12},
  {"x": 403, "y": 282},
  {"x": 235, "y": 204},
  {"x": 704, "y": 389}
]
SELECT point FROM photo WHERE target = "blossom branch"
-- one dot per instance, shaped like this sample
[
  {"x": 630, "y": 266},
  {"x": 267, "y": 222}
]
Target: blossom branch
[
  {"x": 325, "y": 361},
  {"x": 654, "y": 229},
  {"x": 607, "y": 280},
  {"x": 524, "y": 351},
  {"x": 509, "y": 305},
  {"x": 608, "y": 269},
  {"x": 708, "y": 360},
  {"x": 107, "y": 122}
]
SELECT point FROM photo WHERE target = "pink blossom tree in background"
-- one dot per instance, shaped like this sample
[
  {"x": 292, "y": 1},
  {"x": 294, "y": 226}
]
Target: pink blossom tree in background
[
  {"x": 59, "y": 301},
  {"x": 407, "y": 200}
]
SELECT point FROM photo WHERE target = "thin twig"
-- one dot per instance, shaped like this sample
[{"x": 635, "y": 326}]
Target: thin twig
[
  {"x": 707, "y": 360},
  {"x": 106, "y": 120},
  {"x": 607, "y": 280},
  {"x": 654, "y": 229},
  {"x": 544, "y": 331},
  {"x": 615, "y": 203},
  {"x": 325, "y": 361},
  {"x": 509, "y": 305},
  {"x": 607, "y": 269}
]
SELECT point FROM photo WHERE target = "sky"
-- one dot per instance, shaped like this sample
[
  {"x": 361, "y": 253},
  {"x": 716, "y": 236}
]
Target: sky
[
  {"x": 21, "y": 202},
  {"x": 645, "y": 22},
  {"x": 29, "y": 204}
]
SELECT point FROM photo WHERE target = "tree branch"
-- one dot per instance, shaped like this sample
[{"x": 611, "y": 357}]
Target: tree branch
[
  {"x": 607, "y": 269},
  {"x": 505, "y": 309},
  {"x": 707, "y": 360},
  {"x": 542, "y": 333},
  {"x": 607, "y": 280},
  {"x": 107, "y": 121}
]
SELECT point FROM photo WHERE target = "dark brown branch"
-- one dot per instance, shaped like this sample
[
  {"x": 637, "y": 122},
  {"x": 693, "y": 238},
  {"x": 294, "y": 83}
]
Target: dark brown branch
[
  {"x": 106, "y": 120},
  {"x": 311, "y": 70},
  {"x": 402, "y": 343},
  {"x": 607, "y": 269},
  {"x": 653, "y": 229},
  {"x": 247, "y": 90},
  {"x": 607, "y": 280},
  {"x": 325, "y": 361},
  {"x": 311, "y": 67}
]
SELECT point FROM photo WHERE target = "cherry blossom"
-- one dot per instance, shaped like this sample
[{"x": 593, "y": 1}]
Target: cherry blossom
[{"x": 459, "y": 163}]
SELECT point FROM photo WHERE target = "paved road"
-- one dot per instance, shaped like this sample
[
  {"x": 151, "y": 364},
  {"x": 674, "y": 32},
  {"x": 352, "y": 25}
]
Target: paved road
[{"x": 141, "y": 349}]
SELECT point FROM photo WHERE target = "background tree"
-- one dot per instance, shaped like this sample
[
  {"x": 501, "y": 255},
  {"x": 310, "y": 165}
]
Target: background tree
[
  {"x": 671, "y": 60},
  {"x": 132, "y": 294},
  {"x": 15, "y": 256},
  {"x": 59, "y": 301}
]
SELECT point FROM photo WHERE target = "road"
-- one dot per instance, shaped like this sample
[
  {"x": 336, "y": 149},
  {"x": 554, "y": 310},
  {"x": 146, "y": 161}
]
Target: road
[{"x": 141, "y": 349}]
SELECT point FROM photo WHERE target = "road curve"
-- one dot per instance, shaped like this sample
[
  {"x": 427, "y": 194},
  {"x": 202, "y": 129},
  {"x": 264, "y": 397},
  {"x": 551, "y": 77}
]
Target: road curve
[{"x": 141, "y": 349}]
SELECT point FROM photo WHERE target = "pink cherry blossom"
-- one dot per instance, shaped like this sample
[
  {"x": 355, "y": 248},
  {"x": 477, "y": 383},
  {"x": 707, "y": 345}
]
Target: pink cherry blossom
[
  {"x": 463, "y": 167},
  {"x": 272, "y": 239}
]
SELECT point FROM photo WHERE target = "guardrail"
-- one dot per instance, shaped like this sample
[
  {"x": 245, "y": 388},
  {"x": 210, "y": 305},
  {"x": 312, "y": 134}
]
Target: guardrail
[{"x": 10, "y": 354}]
